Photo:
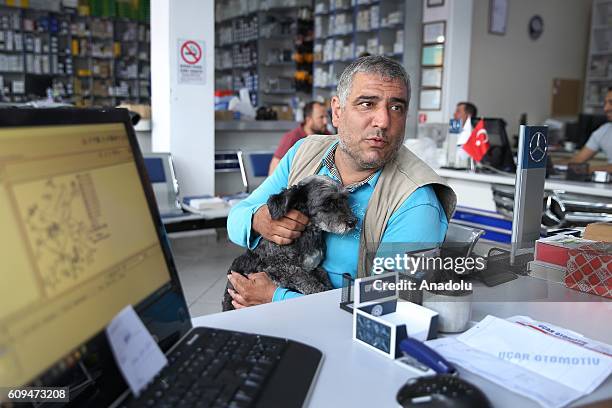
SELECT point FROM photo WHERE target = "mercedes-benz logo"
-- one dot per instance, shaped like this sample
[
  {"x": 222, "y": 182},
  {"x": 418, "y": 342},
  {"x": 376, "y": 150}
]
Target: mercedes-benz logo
[
  {"x": 377, "y": 310},
  {"x": 538, "y": 147}
]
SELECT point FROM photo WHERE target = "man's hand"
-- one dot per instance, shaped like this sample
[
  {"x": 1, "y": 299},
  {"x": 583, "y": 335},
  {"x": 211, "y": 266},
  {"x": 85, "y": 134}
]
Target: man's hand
[
  {"x": 282, "y": 231},
  {"x": 255, "y": 289}
]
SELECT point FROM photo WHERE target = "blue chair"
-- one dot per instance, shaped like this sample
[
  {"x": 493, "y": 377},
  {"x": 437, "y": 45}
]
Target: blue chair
[
  {"x": 254, "y": 167},
  {"x": 160, "y": 169}
]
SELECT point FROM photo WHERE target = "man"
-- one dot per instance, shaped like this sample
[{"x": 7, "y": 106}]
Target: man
[
  {"x": 395, "y": 196},
  {"x": 600, "y": 139},
  {"x": 315, "y": 122},
  {"x": 464, "y": 111}
]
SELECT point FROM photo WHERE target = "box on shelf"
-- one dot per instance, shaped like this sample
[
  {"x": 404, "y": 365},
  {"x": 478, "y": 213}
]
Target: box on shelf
[{"x": 283, "y": 112}]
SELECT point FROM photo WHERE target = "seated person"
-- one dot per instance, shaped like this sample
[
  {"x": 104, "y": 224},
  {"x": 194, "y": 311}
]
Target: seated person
[
  {"x": 465, "y": 111},
  {"x": 396, "y": 197},
  {"x": 315, "y": 123},
  {"x": 600, "y": 140}
]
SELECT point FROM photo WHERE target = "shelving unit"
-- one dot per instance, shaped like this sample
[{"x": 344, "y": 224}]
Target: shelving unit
[
  {"x": 81, "y": 58},
  {"x": 266, "y": 47},
  {"x": 599, "y": 61},
  {"x": 345, "y": 29}
]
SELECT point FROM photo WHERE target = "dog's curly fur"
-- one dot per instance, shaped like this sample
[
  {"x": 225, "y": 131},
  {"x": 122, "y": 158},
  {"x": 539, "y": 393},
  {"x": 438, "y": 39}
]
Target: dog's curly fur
[{"x": 296, "y": 266}]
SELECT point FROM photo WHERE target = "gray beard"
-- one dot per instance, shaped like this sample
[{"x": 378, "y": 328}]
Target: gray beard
[{"x": 363, "y": 164}]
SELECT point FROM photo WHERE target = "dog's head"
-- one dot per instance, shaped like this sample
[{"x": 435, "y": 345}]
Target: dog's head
[{"x": 320, "y": 198}]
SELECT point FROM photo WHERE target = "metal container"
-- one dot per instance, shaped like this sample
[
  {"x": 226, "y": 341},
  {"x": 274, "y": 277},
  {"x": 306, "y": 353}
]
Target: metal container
[
  {"x": 454, "y": 311},
  {"x": 601, "y": 177}
]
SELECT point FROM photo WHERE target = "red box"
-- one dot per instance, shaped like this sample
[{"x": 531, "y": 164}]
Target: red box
[
  {"x": 554, "y": 250},
  {"x": 589, "y": 269}
]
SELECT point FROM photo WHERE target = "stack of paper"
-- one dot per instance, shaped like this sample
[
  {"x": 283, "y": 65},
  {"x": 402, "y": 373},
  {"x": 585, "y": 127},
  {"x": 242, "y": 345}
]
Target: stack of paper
[{"x": 548, "y": 364}]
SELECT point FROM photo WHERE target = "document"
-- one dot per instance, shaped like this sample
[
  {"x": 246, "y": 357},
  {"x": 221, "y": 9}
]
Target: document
[
  {"x": 543, "y": 362},
  {"x": 137, "y": 354}
]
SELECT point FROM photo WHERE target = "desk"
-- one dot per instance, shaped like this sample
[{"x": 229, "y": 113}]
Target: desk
[
  {"x": 353, "y": 376},
  {"x": 191, "y": 222}
]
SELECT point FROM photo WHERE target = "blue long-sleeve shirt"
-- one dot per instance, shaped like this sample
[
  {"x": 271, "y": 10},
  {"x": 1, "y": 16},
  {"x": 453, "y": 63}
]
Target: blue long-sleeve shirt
[{"x": 419, "y": 220}]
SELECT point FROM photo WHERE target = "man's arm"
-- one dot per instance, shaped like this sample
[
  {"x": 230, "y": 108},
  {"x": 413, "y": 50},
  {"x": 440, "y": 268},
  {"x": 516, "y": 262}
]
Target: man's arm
[
  {"x": 420, "y": 223},
  {"x": 585, "y": 154},
  {"x": 240, "y": 220},
  {"x": 273, "y": 163}
]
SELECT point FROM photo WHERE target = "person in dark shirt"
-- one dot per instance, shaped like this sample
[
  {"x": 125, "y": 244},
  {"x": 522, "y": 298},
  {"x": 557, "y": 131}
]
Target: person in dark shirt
[{"x": 315, "y": 123}]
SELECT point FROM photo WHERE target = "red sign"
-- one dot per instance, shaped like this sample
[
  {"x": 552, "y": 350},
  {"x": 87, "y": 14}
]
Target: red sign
[
  {"x": 422, "y": 117},
  {"x": 191, "y": 52}
]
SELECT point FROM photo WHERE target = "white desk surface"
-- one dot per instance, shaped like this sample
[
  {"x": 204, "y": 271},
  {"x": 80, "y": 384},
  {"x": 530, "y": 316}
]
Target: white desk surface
[
  {"x": 596, "y": 189},
  {"x": 353, "y": 376}
]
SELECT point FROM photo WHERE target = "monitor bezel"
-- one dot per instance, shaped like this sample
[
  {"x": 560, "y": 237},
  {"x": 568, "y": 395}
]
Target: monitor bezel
[{"x": 108, "y": 384}]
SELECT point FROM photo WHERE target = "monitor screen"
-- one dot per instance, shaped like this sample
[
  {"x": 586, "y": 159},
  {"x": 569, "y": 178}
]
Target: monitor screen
[{"x": 79, "y": 241}]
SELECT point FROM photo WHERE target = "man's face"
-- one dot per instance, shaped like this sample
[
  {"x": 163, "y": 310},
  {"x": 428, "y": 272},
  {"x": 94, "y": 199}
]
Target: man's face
[
  {"x": 460, "y": 113},
  {"x": 608, "y": 105},
  {"x": 371, "y": 124},
  {"x": 318, "y": 119}
]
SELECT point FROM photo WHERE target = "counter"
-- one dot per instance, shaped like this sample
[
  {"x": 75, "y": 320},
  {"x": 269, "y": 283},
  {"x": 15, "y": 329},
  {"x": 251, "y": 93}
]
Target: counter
[{"x": 476, "y": 205}]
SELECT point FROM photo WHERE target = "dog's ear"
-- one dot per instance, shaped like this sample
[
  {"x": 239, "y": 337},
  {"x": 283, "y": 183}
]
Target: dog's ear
[{"x": 280, "y": 204}]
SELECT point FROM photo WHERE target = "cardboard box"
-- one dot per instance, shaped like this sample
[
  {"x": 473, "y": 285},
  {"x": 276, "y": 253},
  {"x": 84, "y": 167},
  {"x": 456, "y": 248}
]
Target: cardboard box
[
  {"x": 599, "y": 231},
  {"x": 554, "y": 250},
  {"x": 589, "y": 269}
]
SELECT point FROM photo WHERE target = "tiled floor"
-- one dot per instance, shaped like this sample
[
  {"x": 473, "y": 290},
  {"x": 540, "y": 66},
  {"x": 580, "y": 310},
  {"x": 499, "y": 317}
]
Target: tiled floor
[{"x": 202, "y": 262}]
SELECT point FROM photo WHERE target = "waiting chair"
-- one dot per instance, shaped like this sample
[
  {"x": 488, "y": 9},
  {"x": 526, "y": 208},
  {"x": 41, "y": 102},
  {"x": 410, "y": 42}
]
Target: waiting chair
[
  {"x": 160, "y": 169},
  {"x": 254, "y": 167}
]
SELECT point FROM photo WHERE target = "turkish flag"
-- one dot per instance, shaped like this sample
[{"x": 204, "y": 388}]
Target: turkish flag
[{"x": 478, "y": 142}]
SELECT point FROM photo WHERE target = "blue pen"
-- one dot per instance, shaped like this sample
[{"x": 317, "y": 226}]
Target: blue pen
[{"x": 427, "y": 356}]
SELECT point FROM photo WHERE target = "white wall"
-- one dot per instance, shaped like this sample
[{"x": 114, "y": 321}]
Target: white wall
[
  {"x": 512, "y": 74},
  {"x": 456, "y": 73},
  {"x": 183, "y": 114}
]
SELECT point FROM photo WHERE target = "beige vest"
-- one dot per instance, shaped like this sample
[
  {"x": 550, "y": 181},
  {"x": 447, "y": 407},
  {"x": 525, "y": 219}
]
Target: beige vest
[{"x": 399, "y": 178}]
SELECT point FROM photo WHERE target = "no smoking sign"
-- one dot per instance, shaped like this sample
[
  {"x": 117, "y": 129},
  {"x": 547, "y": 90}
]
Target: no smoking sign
[
  {"x": 191, "y": 52},
  {"x": 191, "y": 64}
]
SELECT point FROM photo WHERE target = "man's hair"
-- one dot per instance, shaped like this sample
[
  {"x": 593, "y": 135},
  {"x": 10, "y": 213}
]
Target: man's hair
[
  {"x": 309, "y": 107},
  {"x": 470, "y": 108},
  {"x": 373, "y": 64}
]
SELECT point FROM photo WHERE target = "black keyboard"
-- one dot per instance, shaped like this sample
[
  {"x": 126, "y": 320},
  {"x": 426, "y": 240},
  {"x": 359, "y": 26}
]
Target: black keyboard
[{"x": 220, "y": 368}]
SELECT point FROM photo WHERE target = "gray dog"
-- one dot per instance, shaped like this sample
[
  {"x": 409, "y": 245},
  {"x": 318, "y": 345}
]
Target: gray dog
[{"x": 296, "y": 266}]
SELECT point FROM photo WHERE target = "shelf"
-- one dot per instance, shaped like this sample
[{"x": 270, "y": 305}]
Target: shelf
[
  {"x": 290, "y": 36},
  {"x": 395, "y": 26},
  {"x": 229, "y": 44},
  {"x": 600, "y": 79},
  {"x": 279, "y": 64},
  {"x": 281, "y": 92}
]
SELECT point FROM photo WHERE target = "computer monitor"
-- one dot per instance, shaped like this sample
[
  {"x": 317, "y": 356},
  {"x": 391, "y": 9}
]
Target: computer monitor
[
  {"x": 81, "y": 239},
  {"x": 587, "y": 124},
  {"x": 499, "y": 155}
]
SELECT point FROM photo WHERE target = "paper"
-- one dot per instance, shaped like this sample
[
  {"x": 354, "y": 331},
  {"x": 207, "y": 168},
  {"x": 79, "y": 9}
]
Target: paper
[
  {"x": 505, "y": 374},
  {"x": 138, "y": 356},
  {"x": 550, "y": 365},
  {"x": 562, "y": 361}
]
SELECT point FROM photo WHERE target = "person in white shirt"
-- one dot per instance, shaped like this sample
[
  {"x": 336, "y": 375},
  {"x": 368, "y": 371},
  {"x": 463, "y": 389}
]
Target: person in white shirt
[{"x": 600, "y": 140}]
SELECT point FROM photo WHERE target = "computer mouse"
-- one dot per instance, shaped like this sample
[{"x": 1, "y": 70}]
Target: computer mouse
[{"x": 440, "y": 391}]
